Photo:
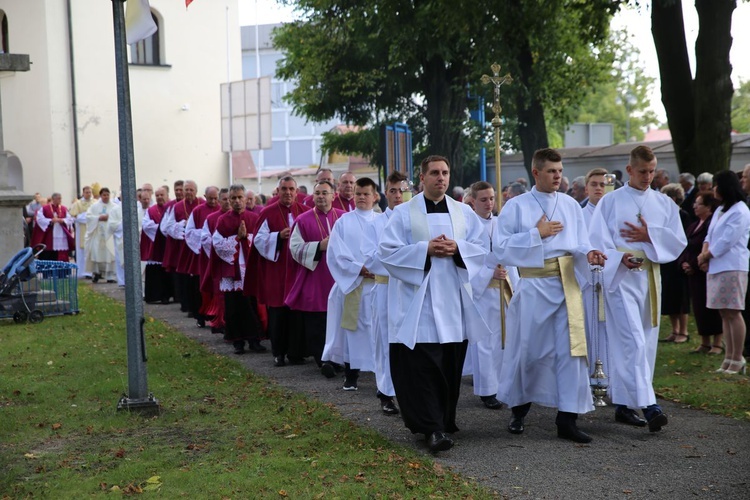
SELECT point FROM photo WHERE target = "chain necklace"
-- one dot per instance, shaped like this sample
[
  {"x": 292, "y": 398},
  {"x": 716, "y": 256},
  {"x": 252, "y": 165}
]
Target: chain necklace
[
  {"x": 554, "y": 209},
  {"x": 639, "y": 207}
]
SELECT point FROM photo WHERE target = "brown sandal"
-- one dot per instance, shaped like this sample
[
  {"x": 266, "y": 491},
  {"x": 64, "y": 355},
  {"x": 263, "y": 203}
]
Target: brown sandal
[
  {"x": 716, "y": 349},
  {"x": 701, "y": 349},
  {"x": 681, "y": 339}
]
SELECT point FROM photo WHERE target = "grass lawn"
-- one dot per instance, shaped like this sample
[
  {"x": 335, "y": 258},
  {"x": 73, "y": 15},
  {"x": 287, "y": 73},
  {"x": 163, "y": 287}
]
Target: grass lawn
[
  {"x": 223, "y": 433},
  {"x": 690, "y": 379}
]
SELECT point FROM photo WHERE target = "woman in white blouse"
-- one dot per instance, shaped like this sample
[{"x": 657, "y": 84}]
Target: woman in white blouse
[{"x": 725, "y": 259}]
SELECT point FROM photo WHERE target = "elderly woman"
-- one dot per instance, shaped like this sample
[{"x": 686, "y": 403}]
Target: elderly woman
[
  {"x": 707, "y": 320},
  {"x": 675, "y": 298},
  {"x": 725, "y": 258}
]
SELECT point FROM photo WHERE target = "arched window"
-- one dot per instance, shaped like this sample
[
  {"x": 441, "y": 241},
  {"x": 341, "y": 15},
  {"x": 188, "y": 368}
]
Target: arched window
[
  {"x": 148, "y": 50},
  {"x": 4, "y": 49}
]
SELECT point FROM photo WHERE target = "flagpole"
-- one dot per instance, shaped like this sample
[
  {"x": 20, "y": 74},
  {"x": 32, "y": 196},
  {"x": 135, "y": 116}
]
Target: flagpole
[
  {"x": 229, "y": 90},
  {"x": 261, "y": 157},
  {"x": 138, "y": 398}
]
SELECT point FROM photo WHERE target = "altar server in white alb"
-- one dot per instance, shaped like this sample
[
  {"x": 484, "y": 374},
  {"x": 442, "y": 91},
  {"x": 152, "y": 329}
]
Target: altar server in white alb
[
  {"x": 484, "y": 359},
  {"x": 542, "y": 232},
  {"x": 381, "y": 348},
  {"x": 638, "y": 228},
  {"x": 350, "y": 314},
  {"x": 432, "y": 246}
]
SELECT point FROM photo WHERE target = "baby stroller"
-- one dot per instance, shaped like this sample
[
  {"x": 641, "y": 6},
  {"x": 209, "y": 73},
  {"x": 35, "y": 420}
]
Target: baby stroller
[{"x": 13, "y": 300}]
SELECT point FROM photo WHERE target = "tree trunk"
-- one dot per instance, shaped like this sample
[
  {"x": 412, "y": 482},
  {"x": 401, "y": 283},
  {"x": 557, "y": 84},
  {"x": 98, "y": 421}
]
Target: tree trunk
[
  {"x": 713, "y": 86},
  {"x": 446, "y": 113},
  {"x": 532, "y": 129},
  {"x": 698, "y": 112}
]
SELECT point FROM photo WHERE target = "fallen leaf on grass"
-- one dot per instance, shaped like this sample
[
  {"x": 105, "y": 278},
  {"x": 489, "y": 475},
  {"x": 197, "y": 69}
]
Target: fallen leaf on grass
[
  {"x": 153, "y": 483},
  {"x": 282, "y": 493},
  {"x": 56, "y": 426},
  {"x": 30, "y": 456},
  {"x": 120, "y": 453},
  {"x": 291, "y": 436}
]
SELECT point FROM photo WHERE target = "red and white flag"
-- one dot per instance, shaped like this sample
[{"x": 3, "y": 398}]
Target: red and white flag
[{"x": 138, "y": 21}]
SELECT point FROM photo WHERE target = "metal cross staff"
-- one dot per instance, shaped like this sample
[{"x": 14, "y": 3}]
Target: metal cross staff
[{"x": 497, "y": 81}]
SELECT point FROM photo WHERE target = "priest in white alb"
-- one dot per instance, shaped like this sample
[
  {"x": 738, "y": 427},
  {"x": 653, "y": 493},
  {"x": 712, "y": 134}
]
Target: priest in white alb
[
  {"x": 432, "y": 246},
  {"x": 638, "y": 228},
  {"x": 100, "y": 248}
]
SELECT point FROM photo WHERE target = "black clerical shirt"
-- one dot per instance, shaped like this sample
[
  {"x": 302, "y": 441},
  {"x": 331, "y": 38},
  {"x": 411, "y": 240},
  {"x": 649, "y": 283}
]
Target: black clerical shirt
[{"x": 441, "y": 207}]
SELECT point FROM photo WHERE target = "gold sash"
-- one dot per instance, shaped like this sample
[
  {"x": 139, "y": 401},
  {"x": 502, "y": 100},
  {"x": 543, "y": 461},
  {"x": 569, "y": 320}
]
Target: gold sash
[
  {"x": 350, "y": 314},
  {"x": 654, "y": 282},
  {"x": 381, "y": 280},
  {"x": 564, "y": 268},
  {"x": 506, "y": 293}
]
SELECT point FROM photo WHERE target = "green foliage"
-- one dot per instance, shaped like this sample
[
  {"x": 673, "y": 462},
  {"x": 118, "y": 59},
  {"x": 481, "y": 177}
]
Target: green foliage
[
  {"x": 414, "y": 61},
  {"x": 223, "y": 432},
  {"x": 741, "y": 108},
  {"x": 621, "y": 97}
]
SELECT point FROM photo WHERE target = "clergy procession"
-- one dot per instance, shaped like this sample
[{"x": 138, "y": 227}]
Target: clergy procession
[{"x": 549, "y": 302}]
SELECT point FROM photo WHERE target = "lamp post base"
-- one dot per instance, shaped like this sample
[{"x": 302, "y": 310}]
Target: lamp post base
[{"x": 147, "y": 407}]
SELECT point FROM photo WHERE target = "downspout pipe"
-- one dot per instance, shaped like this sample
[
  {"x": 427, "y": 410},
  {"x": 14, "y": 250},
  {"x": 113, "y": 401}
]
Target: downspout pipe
[{"x": 74, "y": 103}]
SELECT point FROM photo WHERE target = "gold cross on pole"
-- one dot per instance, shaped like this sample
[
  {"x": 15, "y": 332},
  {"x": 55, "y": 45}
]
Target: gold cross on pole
[{"x": 497, "y": 81}]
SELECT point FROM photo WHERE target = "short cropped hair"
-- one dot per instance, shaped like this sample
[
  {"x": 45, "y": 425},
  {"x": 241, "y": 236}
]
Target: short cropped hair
[
  {"x": 395, "y": 177},
  {"x": 327, "y": 183},
  {"x": 687, "y": 177},
  {"x": 595, "y": 171},
  {"x": 479, "y": 186},
  {"x": 641, "y": 153},
  {"x": 237, "y": 187},
  {"x": 541, "y": 156},
  {"x": 674, "y": 191},
  {"x": 365, "y": 182},
  {"x": 286, "y": 178},
  {"x": 430, "y": 159}
]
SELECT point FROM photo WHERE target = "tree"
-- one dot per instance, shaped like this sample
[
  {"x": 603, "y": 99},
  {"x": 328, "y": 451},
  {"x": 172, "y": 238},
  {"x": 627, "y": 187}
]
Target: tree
[
  {"x": 741, "y": 108},
  {"x": 367, "y": 59},
  {"x": 698, "y": 110},
  {"x": 621, "y": 100}
]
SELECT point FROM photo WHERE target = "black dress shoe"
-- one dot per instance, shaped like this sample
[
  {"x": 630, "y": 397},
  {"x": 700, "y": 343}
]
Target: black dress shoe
[
  {"x": 656, "y": 422},
  {"x": 327, "y": 370},
  {"x": 439, "y": 441},
  {"x": 390, "y": 408},
  {"x": 516, "y": 425},
  {"x": 296, "y": 361},
  {"x": 630, "y": 417},
  {"x": 256, "y": 346},
  {"x": 279, "y": 361},
  {"x": 491, "y": 402},
  {"x": 96, "y": 278},
  {"x": 572, "y": 433},
  {"x": 239, "y": 350},
  {"x": 201, "y": 322}
]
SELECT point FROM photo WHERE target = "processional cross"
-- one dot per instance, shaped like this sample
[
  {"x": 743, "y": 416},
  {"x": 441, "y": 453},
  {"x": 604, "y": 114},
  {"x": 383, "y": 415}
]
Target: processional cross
[{"x": 497, "y": 81}]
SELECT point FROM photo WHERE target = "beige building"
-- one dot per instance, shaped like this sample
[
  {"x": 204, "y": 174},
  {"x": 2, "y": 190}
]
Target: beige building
[{"x": 174, "y": 85}]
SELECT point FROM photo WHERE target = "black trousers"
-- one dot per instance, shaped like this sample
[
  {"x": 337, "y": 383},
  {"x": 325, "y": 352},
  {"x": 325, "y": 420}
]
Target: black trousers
[
  {"x": 286, "y": 333},
  {"x": 240, "y": 318},
  {"x": 427, "y": 380},
  {"x": 314, "y": 327},
  {"x": 158, "y": 284},
  {"x": 193, "y": 294}
]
